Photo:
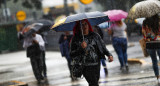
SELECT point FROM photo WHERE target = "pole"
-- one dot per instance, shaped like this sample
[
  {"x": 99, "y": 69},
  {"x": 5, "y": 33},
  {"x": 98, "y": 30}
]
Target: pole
[
  {"x": 5, "y": 7},
  {"x": 66, "y": 8}
]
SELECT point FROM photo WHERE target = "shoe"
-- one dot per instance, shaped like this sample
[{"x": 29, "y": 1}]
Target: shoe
[
  {"x": 122, "y": 68},
  {"x": 127, "y": 68},
  {"x": 43, "y": 81},
  {"x": 38, "y": 81}
]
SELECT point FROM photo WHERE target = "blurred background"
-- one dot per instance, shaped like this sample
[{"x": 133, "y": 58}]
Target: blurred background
[{"x": 14, "y": 14}]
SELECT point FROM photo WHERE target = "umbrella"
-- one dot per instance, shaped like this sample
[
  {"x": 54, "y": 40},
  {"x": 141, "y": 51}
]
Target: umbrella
[
  {"x": 67, "y": 24},
  {"x": 39, "y": 25},
  {"x": 146, "y": 8},
  {"x": 115, "y": 15},
  {"x": 104, "y": 25}
]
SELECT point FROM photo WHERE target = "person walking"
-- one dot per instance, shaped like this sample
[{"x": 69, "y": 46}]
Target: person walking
[
  {"x": 98, "y": 30},
  {"x": 43, "y": 35},
  {"x": 86, "y": 47},
  {"x": 64, "y": 48},
  {"x": 119, "y": 42},
  {"x": 34, "y": 45},
  {"x": 151, "y": 33}
]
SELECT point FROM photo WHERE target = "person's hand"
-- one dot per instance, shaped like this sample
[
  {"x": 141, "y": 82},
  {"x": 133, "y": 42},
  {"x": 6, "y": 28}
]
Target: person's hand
[
  {"x": 84, "y": 44},
  {"x": 110, "y": 32},
  {"x": 65, "y": 37},
  {"x": 35, "y": 42},
  {"x": 110, "y": 58}
]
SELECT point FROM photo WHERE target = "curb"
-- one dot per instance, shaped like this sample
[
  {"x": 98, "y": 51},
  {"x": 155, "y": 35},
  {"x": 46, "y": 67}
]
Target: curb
[
  {"x": 133, "y": 60},
  {"x": 13, "y": 83}
]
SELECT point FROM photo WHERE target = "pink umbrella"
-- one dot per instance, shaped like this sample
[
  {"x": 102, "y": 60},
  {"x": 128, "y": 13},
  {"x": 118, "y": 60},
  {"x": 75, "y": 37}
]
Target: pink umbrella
[{"x": 115, "y": 15}]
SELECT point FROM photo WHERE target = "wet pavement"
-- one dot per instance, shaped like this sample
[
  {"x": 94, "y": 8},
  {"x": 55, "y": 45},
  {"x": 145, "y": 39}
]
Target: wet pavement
[{"x": 15, "y": 66}]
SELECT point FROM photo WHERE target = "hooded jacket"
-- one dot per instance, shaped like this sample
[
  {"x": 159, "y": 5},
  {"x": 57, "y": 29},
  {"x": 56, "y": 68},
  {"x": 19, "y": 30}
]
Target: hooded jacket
[{"x": 94, "y": 51}]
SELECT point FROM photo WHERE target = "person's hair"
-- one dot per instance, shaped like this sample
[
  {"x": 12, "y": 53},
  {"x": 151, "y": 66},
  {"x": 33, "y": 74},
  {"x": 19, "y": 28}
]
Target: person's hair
[
  {"x": 77, "y": 28},
  {"x": 119, "y": 23},
  {"x": 152, "y": 23}
]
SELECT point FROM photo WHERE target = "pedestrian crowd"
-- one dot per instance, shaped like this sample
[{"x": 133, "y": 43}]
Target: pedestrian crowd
[{"x": 85, "y": 50}]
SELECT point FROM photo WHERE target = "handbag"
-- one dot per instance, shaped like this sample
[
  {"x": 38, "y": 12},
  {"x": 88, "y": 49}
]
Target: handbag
[
  {"x": 77, "y": 70},
  {"x": 77, "y": 67},
  {"x": 153, "y": 45},
  {"x": 143, "y": 46}
]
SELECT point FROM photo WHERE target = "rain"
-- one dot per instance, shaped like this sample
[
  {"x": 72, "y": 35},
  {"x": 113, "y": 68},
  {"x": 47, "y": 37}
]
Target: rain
[{"x": 79, "y": 42}]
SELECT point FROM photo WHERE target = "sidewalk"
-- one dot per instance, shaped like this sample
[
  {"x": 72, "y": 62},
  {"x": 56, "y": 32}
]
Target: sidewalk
[
  {"x": 10, "y": 61},
  {"x": 18, "y": 58}
]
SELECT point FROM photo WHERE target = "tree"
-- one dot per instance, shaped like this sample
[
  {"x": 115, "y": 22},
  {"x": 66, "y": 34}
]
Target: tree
[{"x": 26, "y": 3}]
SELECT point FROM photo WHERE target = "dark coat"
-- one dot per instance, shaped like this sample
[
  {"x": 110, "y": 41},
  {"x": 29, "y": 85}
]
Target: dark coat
[
  {"x": 94, "y": 51},
  {"x": 64, "y": 45},
  {"x": 34, "y": 51}
]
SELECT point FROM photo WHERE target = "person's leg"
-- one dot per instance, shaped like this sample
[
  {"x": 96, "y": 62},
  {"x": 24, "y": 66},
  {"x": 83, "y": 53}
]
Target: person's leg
[
  {"x": 104, "y": 66},
  {"x": 124, "y": 48},
  {"x": 98, "y": 72},
  {"x": 35, "y": 68},
  {"x": 40, "y": 66},
  {"x": 68, "y": 62},
  {"x": 44, "y": 64},
  {"x": 118, "y": 48},
  {"x": 158, "y": 52},
  {"x": 103, "y": 63},
  {"x": 90, "y": 74},
  {"x": 153, "y": 56}
]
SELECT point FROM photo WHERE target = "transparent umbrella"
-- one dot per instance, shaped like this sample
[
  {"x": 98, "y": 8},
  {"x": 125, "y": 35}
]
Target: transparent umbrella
[{"x": 146, "y": 8}]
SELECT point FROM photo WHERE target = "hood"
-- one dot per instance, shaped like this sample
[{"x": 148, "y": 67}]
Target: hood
[{"x": 77, "y": 30}]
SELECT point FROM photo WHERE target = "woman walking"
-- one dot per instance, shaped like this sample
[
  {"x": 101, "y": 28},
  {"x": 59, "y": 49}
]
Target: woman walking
[
  {"x": 151, "y": 33},
  {"x": 119, "y": 41},
  {"x": 87, "y": 48}
]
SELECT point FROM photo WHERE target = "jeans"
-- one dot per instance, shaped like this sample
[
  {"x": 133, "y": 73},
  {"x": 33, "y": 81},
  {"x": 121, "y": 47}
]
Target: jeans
[
  {"x": 103, "y": 62},
  {"x": 120, "y": 46},
  {"x": 152, "y": 53}
]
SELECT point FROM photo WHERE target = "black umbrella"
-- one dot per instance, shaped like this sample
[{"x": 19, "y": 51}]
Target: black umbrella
[{"x": 39, "y": 25}]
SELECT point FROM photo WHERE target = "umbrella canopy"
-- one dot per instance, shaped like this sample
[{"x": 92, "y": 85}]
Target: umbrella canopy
[
  {"x": 39, "y": 25},
  {"x": 146, "y": 8},
  {"x": 67, "y": 24},
  {"x": 104, "y": 25},
  {"x": 115, "y": 15}
]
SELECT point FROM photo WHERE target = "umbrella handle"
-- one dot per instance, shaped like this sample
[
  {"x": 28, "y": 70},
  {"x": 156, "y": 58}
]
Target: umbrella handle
[{"x": 82, "y": 30}]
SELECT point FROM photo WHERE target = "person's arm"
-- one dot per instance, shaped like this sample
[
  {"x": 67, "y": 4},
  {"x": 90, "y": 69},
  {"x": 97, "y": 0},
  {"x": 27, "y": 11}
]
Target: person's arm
[
  {"x": 61, "y": 39},
  {"x": 39, "y": 40},
  {"x": 105, "y": 50},
  {"x": 110, "y": 29}
]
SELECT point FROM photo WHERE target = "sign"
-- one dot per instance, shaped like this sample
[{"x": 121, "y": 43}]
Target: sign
[
  {"x": 21, "y": 15},
  {"x": 86, "y": 1}
]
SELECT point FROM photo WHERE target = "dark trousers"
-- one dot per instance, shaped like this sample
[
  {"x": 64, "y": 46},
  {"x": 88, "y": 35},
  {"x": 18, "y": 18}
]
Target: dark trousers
[
  {"x": 37, "y": 67},
  {"x": 68, "y": 62},
  {"x": 92, "y": 74},
  {"x": 44, "y": 64}
]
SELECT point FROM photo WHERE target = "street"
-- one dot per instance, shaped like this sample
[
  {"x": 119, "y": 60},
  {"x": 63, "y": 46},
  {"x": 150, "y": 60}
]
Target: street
[{"x": 16, "y": 66}]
